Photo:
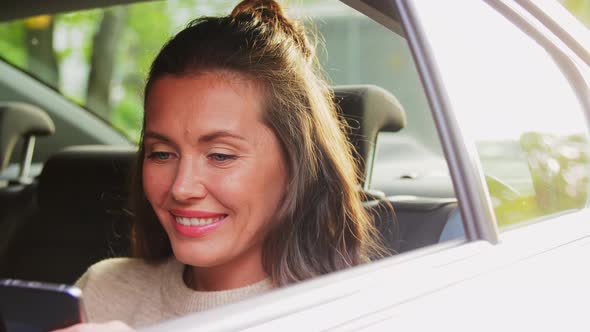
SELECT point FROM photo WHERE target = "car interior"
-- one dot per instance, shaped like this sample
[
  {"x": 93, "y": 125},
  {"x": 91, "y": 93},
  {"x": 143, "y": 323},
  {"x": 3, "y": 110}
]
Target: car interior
[{"x": 64, "y": 207}]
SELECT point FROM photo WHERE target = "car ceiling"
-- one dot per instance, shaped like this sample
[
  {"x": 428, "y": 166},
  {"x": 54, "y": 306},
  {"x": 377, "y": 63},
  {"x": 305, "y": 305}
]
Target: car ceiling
[{"x": 13, "y": 9}]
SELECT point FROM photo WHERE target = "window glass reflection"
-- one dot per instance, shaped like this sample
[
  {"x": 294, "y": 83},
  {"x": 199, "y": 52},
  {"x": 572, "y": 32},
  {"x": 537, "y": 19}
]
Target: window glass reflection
[{"x": 512, "y": 100}]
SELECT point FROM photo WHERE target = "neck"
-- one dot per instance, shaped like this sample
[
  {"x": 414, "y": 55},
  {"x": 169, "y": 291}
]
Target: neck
[{"x": 240, "y": 272}]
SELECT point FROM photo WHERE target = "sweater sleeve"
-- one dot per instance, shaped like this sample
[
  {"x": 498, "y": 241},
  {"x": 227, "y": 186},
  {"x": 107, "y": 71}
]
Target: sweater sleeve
[
  {"x": 107, "y": 289},
  {"x": 81, "y": 282}
]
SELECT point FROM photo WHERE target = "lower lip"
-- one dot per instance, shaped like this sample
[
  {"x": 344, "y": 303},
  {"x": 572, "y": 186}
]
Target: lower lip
[{"x": 198, "y": 231}]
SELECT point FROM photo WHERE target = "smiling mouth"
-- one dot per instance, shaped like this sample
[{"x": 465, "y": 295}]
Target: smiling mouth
[{"x": 198, "y": 221}]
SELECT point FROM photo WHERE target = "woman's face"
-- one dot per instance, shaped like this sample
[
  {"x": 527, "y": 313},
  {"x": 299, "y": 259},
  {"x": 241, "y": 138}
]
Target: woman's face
[{"x": 213, "y": 172}]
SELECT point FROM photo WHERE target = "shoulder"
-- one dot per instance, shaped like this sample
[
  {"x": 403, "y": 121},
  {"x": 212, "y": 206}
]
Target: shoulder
[
  {"x": 115, "y": 268},
  {"x": 112, "y": 287},
  {"x": 120, "y": 271}
]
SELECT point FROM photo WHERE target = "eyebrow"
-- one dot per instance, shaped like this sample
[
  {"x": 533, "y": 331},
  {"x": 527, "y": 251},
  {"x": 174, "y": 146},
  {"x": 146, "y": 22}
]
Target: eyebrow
[
  {"x": 151, "y": 134},
  {"x": 203, "y": 139},
  {"x": 219, "y": 134}
]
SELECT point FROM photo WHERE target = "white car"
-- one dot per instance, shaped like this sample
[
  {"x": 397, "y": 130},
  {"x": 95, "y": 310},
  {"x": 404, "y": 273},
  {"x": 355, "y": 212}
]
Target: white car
[{"x": 489, "y": 177}]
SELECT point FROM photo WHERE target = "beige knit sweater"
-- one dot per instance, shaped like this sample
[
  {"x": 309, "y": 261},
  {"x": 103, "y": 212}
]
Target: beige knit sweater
[{"x": 139, "y": 294}]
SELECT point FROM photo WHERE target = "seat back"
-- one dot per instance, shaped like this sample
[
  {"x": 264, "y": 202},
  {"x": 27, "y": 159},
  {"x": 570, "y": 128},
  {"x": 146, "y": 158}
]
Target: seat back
[
  {"x": 19, "y": 122},
  {"x": 368, "y": 110},
  {"x": 81, "y": 216},
  {"x": 404, "y": 222}
]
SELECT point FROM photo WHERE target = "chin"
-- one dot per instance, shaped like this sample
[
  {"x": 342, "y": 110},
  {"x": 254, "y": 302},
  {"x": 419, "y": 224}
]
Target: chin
[{"x": 199, "y": 257}]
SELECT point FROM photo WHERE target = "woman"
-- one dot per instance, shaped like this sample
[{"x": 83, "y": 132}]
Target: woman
[{"x": 245, "y": 179}]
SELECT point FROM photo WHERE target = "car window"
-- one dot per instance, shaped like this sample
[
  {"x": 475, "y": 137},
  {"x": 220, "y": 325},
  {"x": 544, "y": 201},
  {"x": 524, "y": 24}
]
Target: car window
[
  {"x": 99, "y": 59},
  {"x": 358, "y": 50},
  {"x": 515, "y": 104}
]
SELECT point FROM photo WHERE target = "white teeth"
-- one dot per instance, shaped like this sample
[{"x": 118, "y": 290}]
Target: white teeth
[{"x": 196, "y": 221}]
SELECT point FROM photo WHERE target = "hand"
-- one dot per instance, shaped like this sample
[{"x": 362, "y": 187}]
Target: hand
[{"x": 112, "y": 326}]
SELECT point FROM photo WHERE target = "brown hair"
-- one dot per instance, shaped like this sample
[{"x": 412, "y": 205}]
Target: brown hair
[{"x": 321, "y": 226}]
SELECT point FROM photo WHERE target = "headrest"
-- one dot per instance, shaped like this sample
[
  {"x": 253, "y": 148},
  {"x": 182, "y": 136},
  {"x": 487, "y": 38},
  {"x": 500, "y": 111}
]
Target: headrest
[
  {"x": 368, "y": 110},
  {"x": 86, "y": 177},
  {"x": 19, "y": 120}
]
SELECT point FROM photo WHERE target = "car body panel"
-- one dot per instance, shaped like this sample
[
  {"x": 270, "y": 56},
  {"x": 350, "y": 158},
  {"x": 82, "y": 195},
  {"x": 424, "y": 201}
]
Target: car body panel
[{"x": 442, "y": 278}]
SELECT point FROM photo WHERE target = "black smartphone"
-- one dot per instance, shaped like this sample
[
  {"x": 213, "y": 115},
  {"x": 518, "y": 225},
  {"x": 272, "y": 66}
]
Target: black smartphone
[{"x": 32, "y": 306}]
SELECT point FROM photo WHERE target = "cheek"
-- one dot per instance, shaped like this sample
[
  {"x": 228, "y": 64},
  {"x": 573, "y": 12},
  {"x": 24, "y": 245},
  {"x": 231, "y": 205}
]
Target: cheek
[
  {"x": 156, "y": 183},
  {"x": 236, "y": 189},
  {"x": 255, "y": 190},
  {"x": 230, "y": 187}
]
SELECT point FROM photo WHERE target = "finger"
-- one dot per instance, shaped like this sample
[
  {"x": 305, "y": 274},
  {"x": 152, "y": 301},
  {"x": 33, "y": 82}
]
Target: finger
[
  {"x": 112, "y": 326},
  {"x": 118, "y": 326},
  {"x": 72, "y": 328}
]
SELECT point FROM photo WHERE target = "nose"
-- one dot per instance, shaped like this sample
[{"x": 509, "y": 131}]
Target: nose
[{"x": 188, "y": 183}]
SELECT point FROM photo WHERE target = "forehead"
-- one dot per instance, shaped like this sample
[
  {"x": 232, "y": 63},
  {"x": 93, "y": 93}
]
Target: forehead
[
  {"x": 221, "y": 99},
  {"x": 203, "y": 87}
]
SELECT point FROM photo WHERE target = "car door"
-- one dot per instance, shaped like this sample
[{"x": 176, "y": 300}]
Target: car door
[
  {"x": 510, "y": 101},
  {"x": 508, "y": 87}
]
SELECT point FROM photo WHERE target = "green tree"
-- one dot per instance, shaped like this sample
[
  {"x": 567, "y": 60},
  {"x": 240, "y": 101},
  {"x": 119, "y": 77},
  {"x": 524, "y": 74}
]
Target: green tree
[
  {"x": 12, "y": 45},
  {"x": 41, "y": 60},
  {"x": 580, "y": 8},
  {"x": 104, "y": 44}
]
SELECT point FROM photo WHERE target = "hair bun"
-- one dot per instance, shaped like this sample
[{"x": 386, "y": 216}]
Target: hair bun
[
  {"x": 271, "y": 12},
  {"x": 262, "y": 8}
]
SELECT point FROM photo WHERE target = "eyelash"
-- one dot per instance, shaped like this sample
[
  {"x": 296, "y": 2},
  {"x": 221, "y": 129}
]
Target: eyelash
[
  {"x": 158, "y": 156},
  {"x": 155, "y": 156},
  {"x": 225, "y": 157}
]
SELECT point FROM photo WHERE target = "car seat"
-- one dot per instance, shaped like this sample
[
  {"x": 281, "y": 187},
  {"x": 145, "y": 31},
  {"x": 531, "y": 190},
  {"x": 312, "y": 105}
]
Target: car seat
[
  {"x": 81, "y": 216},
  {"x": 414, "y": 221},
  {"x": 18, "y": 122}
]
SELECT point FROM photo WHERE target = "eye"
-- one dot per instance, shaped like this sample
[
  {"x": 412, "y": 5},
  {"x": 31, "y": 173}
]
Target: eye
[
  {"x": 220, "y": 157},
  {"x": 159, "y": 156}
]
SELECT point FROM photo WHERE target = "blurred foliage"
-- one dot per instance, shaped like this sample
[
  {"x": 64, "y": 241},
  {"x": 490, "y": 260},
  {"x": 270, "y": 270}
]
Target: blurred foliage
[
  {"x": 147, "y": 27},
  {"x": 12, "y": 43},
  {"x": 127, "y": 116},
  {"x": 82, "y": 24},
  {"x": 580, "y": 8},
  {"x": 559, "y": 168},
  {"x": 510, "y": 205}
]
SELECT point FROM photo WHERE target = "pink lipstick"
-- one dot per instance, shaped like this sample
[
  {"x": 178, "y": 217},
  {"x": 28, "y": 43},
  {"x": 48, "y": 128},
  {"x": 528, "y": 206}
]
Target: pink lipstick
[{"x": 196, "y": 223}]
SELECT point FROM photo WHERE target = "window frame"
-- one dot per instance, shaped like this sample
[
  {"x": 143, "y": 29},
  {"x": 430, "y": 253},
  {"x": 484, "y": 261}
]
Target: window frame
[
  {"x": 466, "y": 171},
  {"x": 468, "y": 181}
]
